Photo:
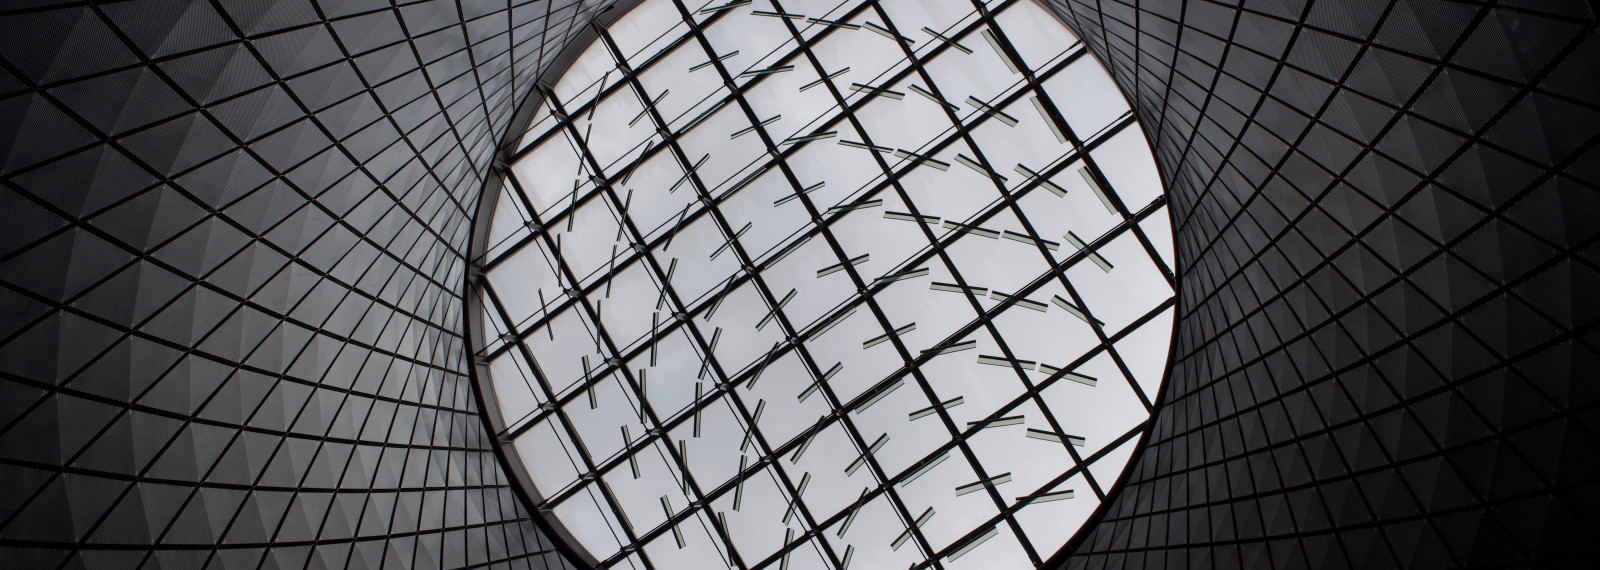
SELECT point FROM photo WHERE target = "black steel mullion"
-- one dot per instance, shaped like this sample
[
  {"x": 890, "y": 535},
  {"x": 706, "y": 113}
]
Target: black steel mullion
[
  {"x": 636, "y": 542},
  {"x": 892, "y": 180},
  {"x": 1009, "y": 512},
  {"x": 591, "y": 474},
  {"x": 950, "y": 445},
  {"x": 966, "y": 329},
  {"x": 527, "y": 353},
  {"x": 915, "y": 260},
  {"x": 838, "y": 412},
  {"x": 1001, "y": 411},
  {"x": 604, "y": 93},
  {"x": 1011, "y": 53},
  {"x": 815, "y": 230},
  {"x": 936, "y": 249},
  {"x": 1110, "y": 194},
  {"x": 700, "y": 502},
  {"x": 750, "y": 269},
  {"x": 1006, "y": 199}
]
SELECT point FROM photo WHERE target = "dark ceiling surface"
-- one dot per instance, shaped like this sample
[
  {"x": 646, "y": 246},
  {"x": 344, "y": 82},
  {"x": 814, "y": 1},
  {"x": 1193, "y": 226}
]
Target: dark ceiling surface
[
  {"x": 1386, "y": 216},
  {"x": 234, "y": 236}
]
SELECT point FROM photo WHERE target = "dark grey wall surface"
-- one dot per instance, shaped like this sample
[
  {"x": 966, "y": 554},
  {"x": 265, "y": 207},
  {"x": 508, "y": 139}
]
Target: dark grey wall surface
[
  {"x": 230, "y": 280},
  {"x": 1386, "y": 216},
  {"x": 232, "y": 240}
]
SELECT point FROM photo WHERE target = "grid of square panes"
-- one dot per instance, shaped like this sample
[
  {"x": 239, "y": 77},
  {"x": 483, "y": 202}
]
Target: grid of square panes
[{"x": 907, "y": 261}]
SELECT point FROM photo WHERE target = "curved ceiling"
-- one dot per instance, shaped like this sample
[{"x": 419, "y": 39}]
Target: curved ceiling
[{"x": 232, "y": 266}]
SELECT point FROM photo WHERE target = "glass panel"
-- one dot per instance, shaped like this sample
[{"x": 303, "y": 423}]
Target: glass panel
[
  {"x": 558, "y": 463},
  {"x": 869, "y": 56},
  {"x": 668, "y": 384},
  {"x": 953, "y": 515},
  {"x": 698, "y": 272},
  {"x": 698, "y": 550},
  {"x": 909, "y": 441},
  {"x": 908, "y": 123},
  {"x": 982, "y": 388},
  {"x": 1125, "y": 160},
  {"x": 861, "y": 367},
  {"x": 548, "y": 175},
  {"x": 600, "y": 412},
  {"x": 844, "y": 169},
  {"x": 1049, "y": 523},
  {"x": 656, "y": 205},
  {"x": 1002, "y": 234},
  {"x": 515, "y": 386},
  {"x": 1158, "y": 228},
  {"x": 1086, "y": 96},
  {"x": 771, "y": 224},
  {"x": 713, "y": 454},
  {"x": 889, "y": 242},
  {"x": 1131, "y": 289},
  {"x": 1015, "y": 457},
  {"x": 559, "y": 350},
  {"x": 582, "y": 81},
  {"x": 779, "y": 95},
  {"x": 510, "y": 224},
  {"x": 998, "y": 551},
  {"x": 938, "y": 313},
  {"x": 871, "y": 533},
  {"x": 814, "y": 295},
  {"x": 910, "y": 16},
  {"x": 999, "y": 264},
  {"x": 587, "y": 240},
  {"x": 759, "y": 40},
  {"x": 590, "y": 519},
  {"x": 779, "y": 384},
  {"x": 826, "y": 458},
  {"x": 1079, "y": 210},
  {"x": 1145, "y": 352},
  {"x": 756, "y": 526},
  {"x": 626, "y": 304},
  {"x": 737, "y": 315},
  {"x": 640, "y": 497},
  {"x": 543, "y": 120},
  {"x": 952, "y": 195},
  {"x": 524, "y": 277},
  {"x": 607, "y": 131},
  {"x": 1099, "y": 414},
  {"x": 1029, "y": 143},
  {"x": 1035, "y": 33},
  {"x": 684, "y": 90},
  {"x": 647, "y": 29},
  {"x": 709, "y": 140},
  {"x": 981, "y": 74}
]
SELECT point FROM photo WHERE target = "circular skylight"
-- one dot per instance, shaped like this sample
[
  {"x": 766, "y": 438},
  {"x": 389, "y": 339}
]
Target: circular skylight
[{"x": 822, "y": 285}]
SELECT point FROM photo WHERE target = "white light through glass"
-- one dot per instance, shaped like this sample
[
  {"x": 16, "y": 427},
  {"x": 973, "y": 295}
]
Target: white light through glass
[{"x": 819, "y": 284}]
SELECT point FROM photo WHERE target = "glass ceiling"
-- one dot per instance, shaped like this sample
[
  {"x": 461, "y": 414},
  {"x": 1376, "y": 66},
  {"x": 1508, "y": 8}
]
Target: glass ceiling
[{"x": 820, "y": 284}]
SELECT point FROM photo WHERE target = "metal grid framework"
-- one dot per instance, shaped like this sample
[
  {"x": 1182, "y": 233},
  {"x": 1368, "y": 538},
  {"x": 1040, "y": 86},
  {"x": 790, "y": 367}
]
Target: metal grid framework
[
  {"x": 231, "y": 275},
  {"x": 616, "y": 367}
]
